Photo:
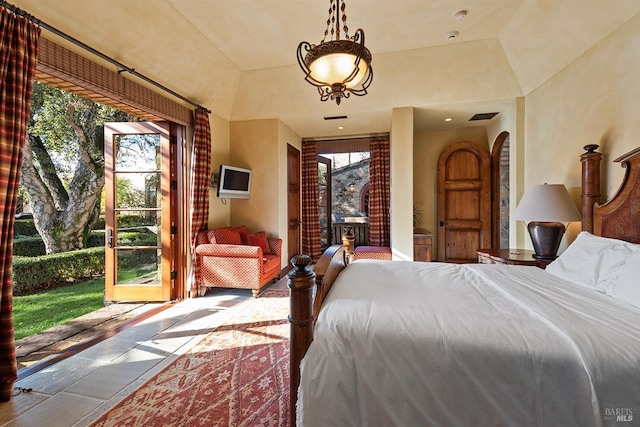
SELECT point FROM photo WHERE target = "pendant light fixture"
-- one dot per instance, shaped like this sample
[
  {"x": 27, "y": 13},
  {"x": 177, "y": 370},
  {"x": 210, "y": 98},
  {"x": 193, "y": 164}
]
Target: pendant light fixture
[{"x": 337, "y": 67}]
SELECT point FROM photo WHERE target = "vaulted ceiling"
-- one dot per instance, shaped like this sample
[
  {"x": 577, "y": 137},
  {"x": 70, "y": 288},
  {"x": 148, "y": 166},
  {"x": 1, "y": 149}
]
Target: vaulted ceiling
[{"x": 238, "y": 57}]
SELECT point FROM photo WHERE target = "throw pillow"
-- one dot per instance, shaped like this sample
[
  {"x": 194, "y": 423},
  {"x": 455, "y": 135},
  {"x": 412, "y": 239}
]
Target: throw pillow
[
  {"x": 227, "y": 236},
  {"x": 244, "y": 234},
  {"x": 627, "y": 288},
  {"x": 592, "y": 261},
  {"x": 260, "y": 239}
]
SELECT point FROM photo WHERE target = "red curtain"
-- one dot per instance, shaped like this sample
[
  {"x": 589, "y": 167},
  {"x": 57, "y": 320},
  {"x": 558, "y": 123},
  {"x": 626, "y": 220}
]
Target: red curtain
[
  {"x": 379, "y": 193},
  {"x": 200, "y": 174},
  {"x": 18, "y": 56},
  {"x": 310, "y": 217}
]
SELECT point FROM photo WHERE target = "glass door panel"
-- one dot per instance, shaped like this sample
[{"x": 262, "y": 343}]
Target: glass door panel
[
  {"x": 324, "y": 201},
  {"x": 138, "y": 192}
]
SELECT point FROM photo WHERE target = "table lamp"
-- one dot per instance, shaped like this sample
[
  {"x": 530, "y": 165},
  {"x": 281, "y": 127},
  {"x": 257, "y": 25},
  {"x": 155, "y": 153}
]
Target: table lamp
[{"x": 547, "y": 207}]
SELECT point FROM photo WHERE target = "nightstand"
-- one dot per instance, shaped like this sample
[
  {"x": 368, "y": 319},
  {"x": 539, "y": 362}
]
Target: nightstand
[
  {"x": 511, "y": 256},
  {"x": 422, "y": 239}
]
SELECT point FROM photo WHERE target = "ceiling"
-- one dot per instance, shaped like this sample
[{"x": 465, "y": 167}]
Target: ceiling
[{"x": 238, "y": 57}]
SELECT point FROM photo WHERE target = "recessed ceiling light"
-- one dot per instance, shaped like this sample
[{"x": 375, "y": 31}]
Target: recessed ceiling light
[
  {"x": 459, "y": 16},
  {"x": 448, "y": 119},
  {"x": 340, "y": 127}
]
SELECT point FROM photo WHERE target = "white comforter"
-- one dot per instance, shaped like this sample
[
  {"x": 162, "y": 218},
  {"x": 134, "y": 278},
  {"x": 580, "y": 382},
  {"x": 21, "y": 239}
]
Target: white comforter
[{"x": 432, "y": 344}]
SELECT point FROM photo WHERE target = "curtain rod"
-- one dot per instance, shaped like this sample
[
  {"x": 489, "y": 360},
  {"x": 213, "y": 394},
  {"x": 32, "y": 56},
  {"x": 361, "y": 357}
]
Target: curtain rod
[
  {"x": 365, "y": 137},
  {"x": 122, "y": 68}
]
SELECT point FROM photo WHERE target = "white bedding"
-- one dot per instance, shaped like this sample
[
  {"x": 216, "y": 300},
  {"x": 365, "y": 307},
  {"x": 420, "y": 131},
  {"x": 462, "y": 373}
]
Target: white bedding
[{"x": 469, "y": 345}]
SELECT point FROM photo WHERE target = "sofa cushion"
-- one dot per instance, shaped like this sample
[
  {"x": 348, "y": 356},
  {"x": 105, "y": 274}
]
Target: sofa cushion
[
  {"x": 211, "y": 236},
  {"x": 227, "y": 236},
  {"x": 244, "y": 234},
  {"x": 260, "y": 239},
  {"x": 271, "y": 264}
]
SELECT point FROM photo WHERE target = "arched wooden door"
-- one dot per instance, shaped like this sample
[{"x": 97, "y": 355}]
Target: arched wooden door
[
  {"x": 500, "y": 160},
  {"x": 464, "y": 202}
]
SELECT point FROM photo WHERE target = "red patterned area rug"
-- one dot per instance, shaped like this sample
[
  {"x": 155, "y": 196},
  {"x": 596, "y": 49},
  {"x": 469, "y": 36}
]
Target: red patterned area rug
[{"x": 238, "y": 375}]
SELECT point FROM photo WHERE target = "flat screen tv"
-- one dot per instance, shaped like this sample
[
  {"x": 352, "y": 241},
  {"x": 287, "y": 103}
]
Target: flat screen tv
[{"x": 235, "y": 183}]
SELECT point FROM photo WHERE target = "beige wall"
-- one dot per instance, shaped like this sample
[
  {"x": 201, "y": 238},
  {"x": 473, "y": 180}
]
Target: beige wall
[
  {"x": 220, "y": 148},
  {"x": 255, "y": 146},
  {"x": 594, "y": 100},
  {"x": 261, "y": 145},
  {"x": 401, "y": 173},
  {"x": 426, "y": 151}
]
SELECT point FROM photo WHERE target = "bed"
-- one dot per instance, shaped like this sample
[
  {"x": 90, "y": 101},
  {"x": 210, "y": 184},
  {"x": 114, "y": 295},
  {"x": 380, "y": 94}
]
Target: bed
[{"x": 382, "y": 343}]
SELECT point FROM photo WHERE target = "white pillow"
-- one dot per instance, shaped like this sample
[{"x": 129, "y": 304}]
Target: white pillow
[
  {"x": 593, "y": 261},
  {"x": 627, "y": 287}
]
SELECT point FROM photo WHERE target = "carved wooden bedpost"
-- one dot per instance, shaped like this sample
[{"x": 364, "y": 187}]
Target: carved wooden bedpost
[
  {"x": 301, "y": 285},
  {"x": 348, "y": 241},
  {"x": 590, "y": 184}
]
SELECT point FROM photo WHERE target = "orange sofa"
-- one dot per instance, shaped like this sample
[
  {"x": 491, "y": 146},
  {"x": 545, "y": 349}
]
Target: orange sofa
[{"x": 236, "y": 258}]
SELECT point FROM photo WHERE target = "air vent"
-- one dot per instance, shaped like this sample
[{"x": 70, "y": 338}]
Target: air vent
[
  {"x": 483, "y": 116},
  {"x": 335, "y": 117}
]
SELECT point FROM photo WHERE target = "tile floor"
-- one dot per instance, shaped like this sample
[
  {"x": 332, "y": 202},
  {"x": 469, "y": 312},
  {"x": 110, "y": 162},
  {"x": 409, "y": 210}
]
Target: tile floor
[{"x": 79, "y": 389}]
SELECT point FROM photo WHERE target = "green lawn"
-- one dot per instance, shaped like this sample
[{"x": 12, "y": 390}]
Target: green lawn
[{"x": 37, "y": 312}]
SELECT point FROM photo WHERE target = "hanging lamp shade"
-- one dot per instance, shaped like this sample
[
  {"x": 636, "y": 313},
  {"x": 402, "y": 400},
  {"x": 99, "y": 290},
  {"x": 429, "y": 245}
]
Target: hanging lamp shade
[{"x": 337, "y": 67}]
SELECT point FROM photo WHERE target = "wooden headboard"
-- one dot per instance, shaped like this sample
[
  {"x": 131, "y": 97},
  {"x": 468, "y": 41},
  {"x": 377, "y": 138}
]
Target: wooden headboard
[{"x": 618, "y": 218}]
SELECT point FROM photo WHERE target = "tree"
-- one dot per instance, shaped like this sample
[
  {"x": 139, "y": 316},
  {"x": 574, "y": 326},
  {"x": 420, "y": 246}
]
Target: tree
[{"x": 63, "y": 165}]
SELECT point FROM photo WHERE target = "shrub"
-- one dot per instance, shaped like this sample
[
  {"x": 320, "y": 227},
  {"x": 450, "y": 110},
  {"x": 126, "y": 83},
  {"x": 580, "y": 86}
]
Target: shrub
[
  {"x": 24, "y": 227},
  {"x": 131, "y": 238},
  {"x": 95, "y": 239},
  {"x": 32, "y": 274},
  {"x": 33, "y": 271},
  {"x": 28, "y": 246}
]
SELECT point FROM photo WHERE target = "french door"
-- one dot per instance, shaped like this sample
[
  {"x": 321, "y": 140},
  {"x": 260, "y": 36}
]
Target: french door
[
  {"x": 140, "y": 162},
  {"x": 324, "y": 201}
]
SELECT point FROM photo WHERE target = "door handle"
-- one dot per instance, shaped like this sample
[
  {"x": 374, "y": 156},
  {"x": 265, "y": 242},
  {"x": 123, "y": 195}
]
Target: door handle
[{"x": 110, "y": 238}]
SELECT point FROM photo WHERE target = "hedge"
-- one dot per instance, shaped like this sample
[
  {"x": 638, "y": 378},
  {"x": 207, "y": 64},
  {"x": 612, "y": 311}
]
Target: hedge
[
  {"x": 33, "y": 271},
  {"x": 24, "y": 227},
  {"x": 34, "y": 246},
  {"x": 28, "y": 246},
  {"x": 32, "y": 274}
]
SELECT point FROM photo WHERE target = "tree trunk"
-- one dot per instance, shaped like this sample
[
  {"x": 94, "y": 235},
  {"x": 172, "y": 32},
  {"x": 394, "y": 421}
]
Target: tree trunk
[{"x": 63, "y": 217}]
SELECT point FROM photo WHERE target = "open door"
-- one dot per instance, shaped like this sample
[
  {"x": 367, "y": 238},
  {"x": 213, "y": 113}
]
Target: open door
[
  {"x": 294, "y": 233},
  {"x": 139, "y": 253},
  {"x": 324, "y": 201}
]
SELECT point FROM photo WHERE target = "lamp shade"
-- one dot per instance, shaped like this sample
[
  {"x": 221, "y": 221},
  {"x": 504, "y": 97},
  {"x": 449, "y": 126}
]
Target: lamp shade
[{"x": 547, "y": 202}]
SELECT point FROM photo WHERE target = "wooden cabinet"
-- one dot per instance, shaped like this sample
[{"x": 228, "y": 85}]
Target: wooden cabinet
[
  {"x": 422, "y": 244},
  {"x": 510, "y": 256}
]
